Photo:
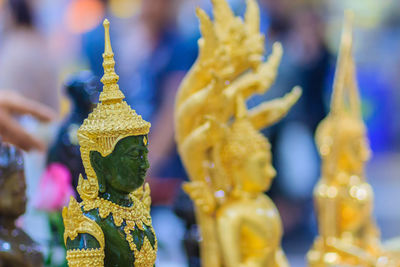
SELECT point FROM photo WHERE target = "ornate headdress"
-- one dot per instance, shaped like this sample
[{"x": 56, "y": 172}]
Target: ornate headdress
[
  {"x": 345, "y": 111},
  {"x": 242, "y": 138},
  {"x": 344, "y": 122},
  {"x": 112, "y": 120}
]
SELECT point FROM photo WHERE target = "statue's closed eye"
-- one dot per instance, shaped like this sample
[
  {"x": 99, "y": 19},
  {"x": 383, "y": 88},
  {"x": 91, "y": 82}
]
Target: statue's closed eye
[{"x": 134, "y": 154}]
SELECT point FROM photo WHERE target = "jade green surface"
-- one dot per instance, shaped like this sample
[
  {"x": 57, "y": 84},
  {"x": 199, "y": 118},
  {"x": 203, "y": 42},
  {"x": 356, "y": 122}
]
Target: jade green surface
[{"x": 118, "y": 174}]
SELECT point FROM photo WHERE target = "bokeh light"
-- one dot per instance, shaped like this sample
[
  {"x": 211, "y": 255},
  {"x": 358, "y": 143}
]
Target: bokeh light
[
  {"x": 83, "y": 15},
  {"x": 124, "y": 8}
]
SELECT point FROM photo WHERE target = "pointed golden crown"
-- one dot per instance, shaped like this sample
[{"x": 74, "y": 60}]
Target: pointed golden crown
[
  {"x": 345, "y": 96},
  {"x": 242, "y": 138},
  {"x": 345, "y": 114},
  {"x": 112, "y": 120}
]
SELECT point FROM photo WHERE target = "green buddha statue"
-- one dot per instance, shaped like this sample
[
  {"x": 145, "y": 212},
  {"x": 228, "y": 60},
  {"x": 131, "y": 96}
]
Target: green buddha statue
[
  {"x": 17, "y": 249},
  {"x": 112, "y": 224}
]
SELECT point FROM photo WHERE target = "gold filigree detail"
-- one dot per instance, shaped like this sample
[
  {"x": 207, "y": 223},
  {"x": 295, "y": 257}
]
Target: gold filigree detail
[
  {"x": 130, "y": 217},
  {"x": 85, "y": 258},
  {"x": 146, "y": 257},
  {"x": 136, "y": 214},
  {"x": 112, "y": 120},
  {"x": 143, "y": 194},
  {"x": 241, "y": 139},
  {"x": 75, "y": 222}
]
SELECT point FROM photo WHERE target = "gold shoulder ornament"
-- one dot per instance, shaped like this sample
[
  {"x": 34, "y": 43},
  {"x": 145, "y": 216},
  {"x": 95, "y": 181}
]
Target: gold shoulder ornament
[{"x": 76, "y": 223}]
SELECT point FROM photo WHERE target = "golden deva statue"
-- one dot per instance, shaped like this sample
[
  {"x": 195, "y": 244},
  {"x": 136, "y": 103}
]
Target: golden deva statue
[
  {"x": 227, "y": 159},
  {"x": 112, "y": 224},
  {"x": 348, "y": 235}
]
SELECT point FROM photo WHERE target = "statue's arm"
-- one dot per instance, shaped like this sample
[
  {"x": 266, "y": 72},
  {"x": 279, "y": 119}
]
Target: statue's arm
[
  {"x": 281, "y": 259},
  {"x": 199, "y": 75},
  {"x": 193, "y": 150},
  {"x": 270, "y": 229},
  {"x": 371, "y": 229},
  {"x": 82, "y": 242},
  {"x": 372, "y": 233},
  {"x": 83, "y": 238},
  {"x": 327, "y": 209},
  {"x": 272, "y": 111},
  {"x": 229, "y": 236},
  {"x": 349, "y": 249},
  {"x": 258, "y": 81},
  {"x": 188, "y": 110},
  {"x": 194, "y": 155}
]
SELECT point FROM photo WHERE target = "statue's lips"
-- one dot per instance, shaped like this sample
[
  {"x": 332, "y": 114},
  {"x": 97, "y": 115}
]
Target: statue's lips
[{"x": 142, "y": 173}]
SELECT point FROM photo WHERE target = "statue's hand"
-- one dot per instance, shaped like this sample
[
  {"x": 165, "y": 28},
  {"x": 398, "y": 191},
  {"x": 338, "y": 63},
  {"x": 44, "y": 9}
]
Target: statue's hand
[
  {"x": 266, "y": 72},
  {"x": 272, "y": 111},
  {"x": 201, "y": 195},
  {"x": 216, "y": 131}
]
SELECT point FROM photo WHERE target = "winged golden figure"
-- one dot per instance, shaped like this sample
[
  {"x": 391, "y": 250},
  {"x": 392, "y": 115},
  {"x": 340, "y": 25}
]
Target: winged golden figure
[{"x": 227, "y": 159}]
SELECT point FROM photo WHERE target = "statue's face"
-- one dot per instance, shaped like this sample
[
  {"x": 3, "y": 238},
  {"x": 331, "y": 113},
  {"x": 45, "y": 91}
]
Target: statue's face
[
  {"x": 354, "y": 150},
  {"x": 257, "y": 172},
  {"x": 343, "y": 144},
  {"x": 125, "y": 168},
  {"x": 12, "y": 195}
]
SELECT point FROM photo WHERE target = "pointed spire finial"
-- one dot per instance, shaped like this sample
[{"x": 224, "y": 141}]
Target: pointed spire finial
[
  {"x": 252, "y": 17},
  {"x": 343, "y": 67},
  {"x": 107, "y": 41},
  {"x": 111, "y": 90}
]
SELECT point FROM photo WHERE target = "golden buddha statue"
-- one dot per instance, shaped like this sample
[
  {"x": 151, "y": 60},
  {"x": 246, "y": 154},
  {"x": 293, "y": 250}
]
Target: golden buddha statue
[
  {"x": 112, "y": 224},
  {"x": 348, "y": 235},
  {"x": 227, "y": 159}
]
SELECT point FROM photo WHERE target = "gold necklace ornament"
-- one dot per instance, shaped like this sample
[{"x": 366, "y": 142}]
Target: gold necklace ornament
[{"x": 129, "y": 218}]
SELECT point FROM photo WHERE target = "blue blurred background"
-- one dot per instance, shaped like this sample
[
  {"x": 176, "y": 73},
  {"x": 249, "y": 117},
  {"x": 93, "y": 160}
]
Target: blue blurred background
[{"x": 45, "y": 43}]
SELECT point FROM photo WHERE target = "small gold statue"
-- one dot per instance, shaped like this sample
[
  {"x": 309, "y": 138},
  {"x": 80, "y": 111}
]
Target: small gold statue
[
  {"x": 112, "y": 224},
  {"x": 348, "y": 235},
  {"x": 227, "y": 159}
]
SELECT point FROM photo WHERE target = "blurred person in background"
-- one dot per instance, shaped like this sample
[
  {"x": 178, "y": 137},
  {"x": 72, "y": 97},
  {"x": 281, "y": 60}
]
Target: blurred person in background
[
  {"x": 152, "y": 59},
  {"x": 27, "y": 69},
  {"x": 25, "y": 65},
  {"x": 11, "y": 104},
  {"x": 306, "y": 62},
  {"x": 82, "y": 89}
]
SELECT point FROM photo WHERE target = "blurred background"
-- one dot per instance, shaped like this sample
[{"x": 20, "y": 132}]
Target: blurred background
[{"x": 50, "y": 51}]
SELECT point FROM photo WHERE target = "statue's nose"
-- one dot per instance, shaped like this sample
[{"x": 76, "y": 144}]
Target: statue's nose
[{"x": 145, "y": 165}]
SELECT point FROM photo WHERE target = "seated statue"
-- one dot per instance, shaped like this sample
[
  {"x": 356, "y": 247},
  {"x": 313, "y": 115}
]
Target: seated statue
[
  {"x": 348, "y": 235},
  {"x": 228, "y": 160},
  {"x": 248, "y": 224},
  {"x": 112, "y": 224},
  {"x": 17, "y": 249}
]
